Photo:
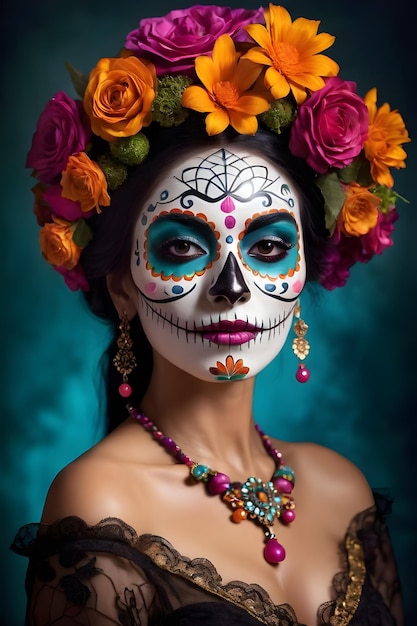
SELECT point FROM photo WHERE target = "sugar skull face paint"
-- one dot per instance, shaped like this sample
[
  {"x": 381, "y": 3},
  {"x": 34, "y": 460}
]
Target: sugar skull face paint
[{"x": 218, "y": 263}]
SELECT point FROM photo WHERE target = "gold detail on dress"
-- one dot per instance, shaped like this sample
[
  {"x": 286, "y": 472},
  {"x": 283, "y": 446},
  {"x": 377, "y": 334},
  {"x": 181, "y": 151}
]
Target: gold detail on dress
[{"x": 346, "y": 605}]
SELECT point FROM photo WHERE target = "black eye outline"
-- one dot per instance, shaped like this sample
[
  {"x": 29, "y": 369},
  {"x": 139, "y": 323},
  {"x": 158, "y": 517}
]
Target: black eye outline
[
  {"x": 267, "y": 257},
  {"x": 165, "y": 249}
]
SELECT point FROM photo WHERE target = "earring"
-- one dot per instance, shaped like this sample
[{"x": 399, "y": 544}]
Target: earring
[
  {"x": 125, "y": 360},
  {"x": 300, "y": 345}
]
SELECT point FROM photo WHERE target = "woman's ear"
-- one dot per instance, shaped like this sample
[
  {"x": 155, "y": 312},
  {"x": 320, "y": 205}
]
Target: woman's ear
[{"x": 123, "y": 292}]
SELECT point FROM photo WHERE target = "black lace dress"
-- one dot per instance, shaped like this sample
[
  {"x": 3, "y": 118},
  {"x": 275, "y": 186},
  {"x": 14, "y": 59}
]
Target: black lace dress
[{"x": 106, "y": 574}]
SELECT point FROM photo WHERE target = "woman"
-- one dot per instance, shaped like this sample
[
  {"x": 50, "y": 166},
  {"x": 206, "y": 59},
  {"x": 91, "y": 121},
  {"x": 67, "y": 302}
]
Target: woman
[{"x": 194, "y": 235}]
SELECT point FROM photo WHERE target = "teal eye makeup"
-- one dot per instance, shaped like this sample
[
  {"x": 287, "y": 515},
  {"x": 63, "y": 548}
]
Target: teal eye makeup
[
  {"x": 270, "y": 244},
  {"x": 180, "y": 245}
]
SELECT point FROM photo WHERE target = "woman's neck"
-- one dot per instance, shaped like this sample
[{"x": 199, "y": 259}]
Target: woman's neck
[{"x": 211, "y": 422}]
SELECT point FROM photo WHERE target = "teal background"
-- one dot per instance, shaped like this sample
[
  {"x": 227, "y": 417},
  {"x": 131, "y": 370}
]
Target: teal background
[{"x": 361, "y": 398}]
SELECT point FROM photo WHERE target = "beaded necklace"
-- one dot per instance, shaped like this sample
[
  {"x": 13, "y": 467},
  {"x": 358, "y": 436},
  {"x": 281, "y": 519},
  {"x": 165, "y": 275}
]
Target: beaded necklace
[{"x": 253, "y": 500}]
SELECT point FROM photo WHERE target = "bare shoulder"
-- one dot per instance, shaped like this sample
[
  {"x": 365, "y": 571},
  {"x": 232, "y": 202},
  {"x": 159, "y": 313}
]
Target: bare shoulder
[
  {"x": 336, "y": 482},
  {"x": 97, "y": 484}
]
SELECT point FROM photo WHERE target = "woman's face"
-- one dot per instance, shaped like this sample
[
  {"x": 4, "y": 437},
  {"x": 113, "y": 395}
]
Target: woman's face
[{"x": 218, "y": 263}]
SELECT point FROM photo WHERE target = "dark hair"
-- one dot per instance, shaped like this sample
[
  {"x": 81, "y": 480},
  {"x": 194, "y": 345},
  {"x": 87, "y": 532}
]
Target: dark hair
[{"x": 110, "y": 247}]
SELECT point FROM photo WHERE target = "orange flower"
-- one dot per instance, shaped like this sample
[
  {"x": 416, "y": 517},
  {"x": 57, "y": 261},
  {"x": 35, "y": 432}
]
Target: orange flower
[
  {"x": 57, "y": 245},
  {"x": 119, "y": 97},
  {"x": 359, "y": 213},
  {"x": 226, "y": 97},
  {"x": 231, "y": 370},
  {"x": 290, "y": 49},
  {"x": 386, "y": 133},
  {"x": 83, "y": 181}
]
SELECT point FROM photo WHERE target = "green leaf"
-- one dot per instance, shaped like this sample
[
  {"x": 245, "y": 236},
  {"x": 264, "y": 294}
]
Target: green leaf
[
  {"x": 334, "y": 197},
  {"x": 79, "y": 80},
  {"x": 349, "y": 173},
  {"x": 82, "y": 234}
]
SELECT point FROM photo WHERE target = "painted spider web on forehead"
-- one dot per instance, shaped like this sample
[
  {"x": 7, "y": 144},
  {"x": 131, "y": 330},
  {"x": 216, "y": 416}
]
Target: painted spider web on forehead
[{"x": 225, "y": 174}]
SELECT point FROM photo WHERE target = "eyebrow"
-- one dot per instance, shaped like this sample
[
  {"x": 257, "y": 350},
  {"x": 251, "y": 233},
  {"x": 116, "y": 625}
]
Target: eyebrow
[
  {"x": 186, "y": 220},
  {"x": 271, "y": 218}
]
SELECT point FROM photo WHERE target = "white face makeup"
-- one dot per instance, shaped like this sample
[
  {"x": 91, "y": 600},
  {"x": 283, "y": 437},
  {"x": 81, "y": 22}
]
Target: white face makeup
[{"x": 218, "y": 262}]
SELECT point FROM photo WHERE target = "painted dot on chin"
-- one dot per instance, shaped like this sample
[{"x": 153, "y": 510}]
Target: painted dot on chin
[{"x": 150, "y": 288}]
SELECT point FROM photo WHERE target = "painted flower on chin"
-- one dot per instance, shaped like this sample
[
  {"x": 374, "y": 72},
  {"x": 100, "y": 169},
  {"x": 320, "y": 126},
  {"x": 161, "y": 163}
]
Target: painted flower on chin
[
  {"x": 291, "y": 50},
  {"x": 231, "y": 370},
  {"x": 386, "y": 133},
  {"x": 226, "y": 95}
]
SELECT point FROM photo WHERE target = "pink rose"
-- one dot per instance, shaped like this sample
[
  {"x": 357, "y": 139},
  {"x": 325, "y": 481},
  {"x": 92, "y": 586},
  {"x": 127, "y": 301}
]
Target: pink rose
[
  {"x": 63, "y": 129},
  {"x": 331, "y": 126},
  {"x": 63, "y": 207},
  {"x": 174, "y": 41}
]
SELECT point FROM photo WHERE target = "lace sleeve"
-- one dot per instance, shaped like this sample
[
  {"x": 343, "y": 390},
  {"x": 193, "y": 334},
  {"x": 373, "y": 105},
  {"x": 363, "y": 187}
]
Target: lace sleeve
[
  {"x": 77, "y": 578},
  {"x": 380, "y": 561}
]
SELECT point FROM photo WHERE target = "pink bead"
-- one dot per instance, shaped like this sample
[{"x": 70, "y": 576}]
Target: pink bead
[
  {"x": 302, "y": 374},
  {"x": 283, "y": 485},
  {"x": 288, "y": 516},
  {"x": 125, "y": 390},
  {"x": 218, "y": 483},
  {"x": 274, "y": 552}
]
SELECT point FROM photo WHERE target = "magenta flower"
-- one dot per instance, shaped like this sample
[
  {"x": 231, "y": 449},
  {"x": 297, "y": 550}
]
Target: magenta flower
[
  {"x": 331, "y": 126},
  {"x": 343, "y": 251},
  {"x": 63, "y": 207},
  {"x": 74, "y": 279},
  {"x": 172, "y": 42},
  {"x": 63, "y": 129},
  {"x": 378, "y": 238}
]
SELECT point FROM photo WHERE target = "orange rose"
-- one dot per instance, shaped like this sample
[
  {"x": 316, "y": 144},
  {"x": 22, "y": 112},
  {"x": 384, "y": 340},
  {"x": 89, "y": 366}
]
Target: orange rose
[
  {"x": 119, "y": 97},
  {"x": 57, "y": 245},
  {"x": 83, "y": 181},
  {"x": 360, "y": 211}
]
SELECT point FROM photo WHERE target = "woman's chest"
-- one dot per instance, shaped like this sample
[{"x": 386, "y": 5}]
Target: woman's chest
[{"x": 200, "y": 526}]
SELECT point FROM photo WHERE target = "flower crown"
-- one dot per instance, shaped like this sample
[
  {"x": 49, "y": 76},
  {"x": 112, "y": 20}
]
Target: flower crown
[{"x": 239, "y": 67}]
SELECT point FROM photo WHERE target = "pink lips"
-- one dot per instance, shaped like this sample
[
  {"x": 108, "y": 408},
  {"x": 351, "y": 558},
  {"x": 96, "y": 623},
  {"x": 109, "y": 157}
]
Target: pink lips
[{"x": 229, "y": 332}]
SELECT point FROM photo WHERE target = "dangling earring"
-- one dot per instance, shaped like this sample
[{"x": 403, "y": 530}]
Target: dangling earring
[
  {"x": 300, "y": 345},
  {"x": 125, "y": 360}
]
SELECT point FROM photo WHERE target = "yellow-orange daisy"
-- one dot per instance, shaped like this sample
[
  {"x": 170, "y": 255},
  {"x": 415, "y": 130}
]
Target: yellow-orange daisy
[
  {"x": 226, "y": 95},
  {"x": 386, "y": 133},
  {"x": 291, "y": 50}
]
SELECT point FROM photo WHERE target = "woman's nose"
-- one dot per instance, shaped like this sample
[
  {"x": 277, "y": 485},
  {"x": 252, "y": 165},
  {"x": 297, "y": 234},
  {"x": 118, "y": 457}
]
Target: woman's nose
[{"x": 230, "y": 285}]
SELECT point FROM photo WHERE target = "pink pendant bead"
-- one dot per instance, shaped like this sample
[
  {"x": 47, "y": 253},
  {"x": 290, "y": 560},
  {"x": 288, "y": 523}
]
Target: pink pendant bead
[
  {"x": 274, "y": 552},
  {"x": 302, "y": 374},
  {"x": 125, "y": 390}
]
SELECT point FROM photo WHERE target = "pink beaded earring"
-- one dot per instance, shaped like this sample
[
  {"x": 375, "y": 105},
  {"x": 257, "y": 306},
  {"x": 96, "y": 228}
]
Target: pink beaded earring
[
  {"x": 125, "y": 360},
  {"x": 300, "y": 345}
]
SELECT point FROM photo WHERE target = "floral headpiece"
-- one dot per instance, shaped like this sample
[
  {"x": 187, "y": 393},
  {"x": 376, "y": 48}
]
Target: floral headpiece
[{"x": 240, "y": 68}]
